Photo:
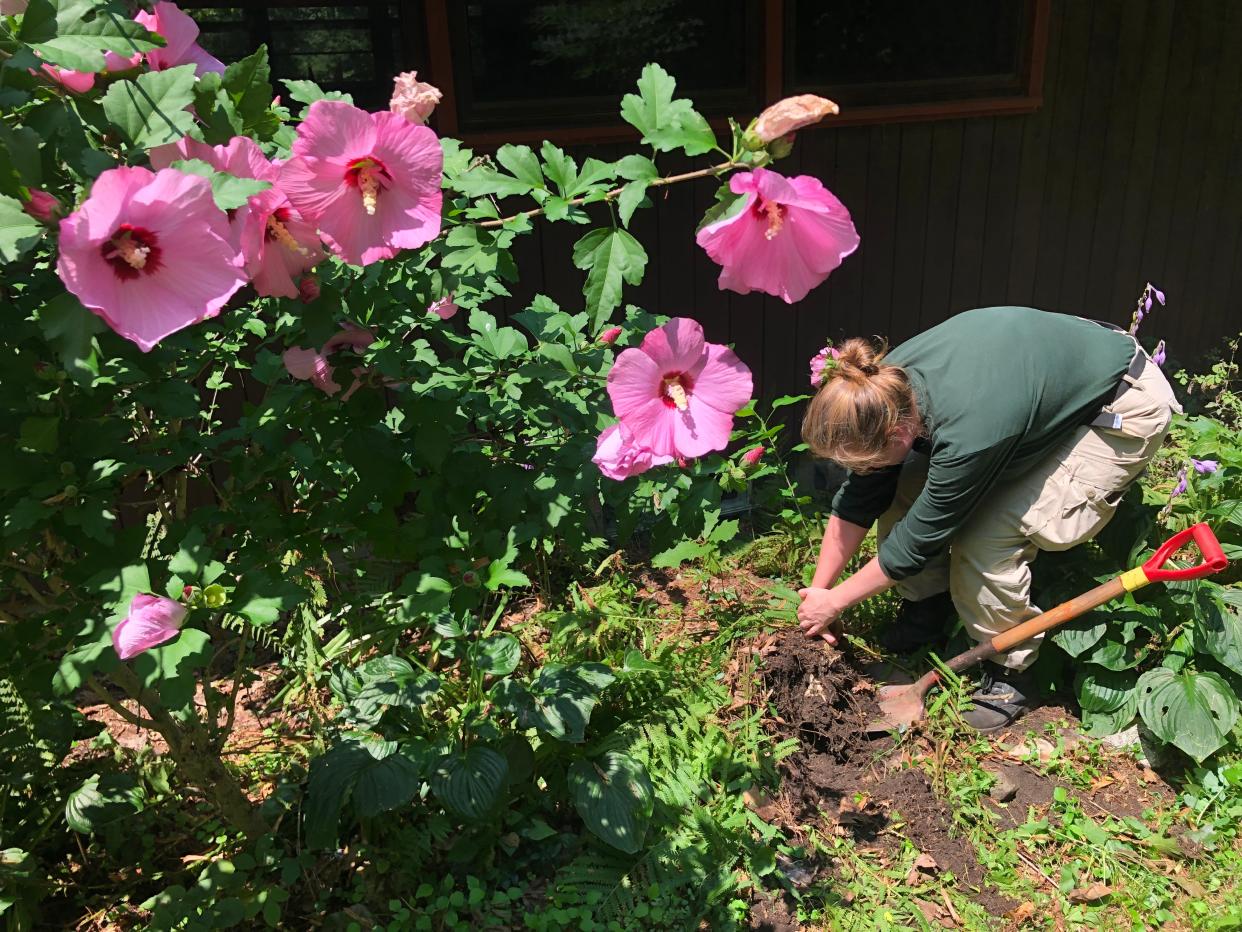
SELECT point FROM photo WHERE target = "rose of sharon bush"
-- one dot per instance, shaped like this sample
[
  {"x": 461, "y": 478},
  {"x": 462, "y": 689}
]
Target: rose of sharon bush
[
  {"x": 149, "y": 252},
  {"x": 788, "y": 236},
  {"x": 618, "y": 456},
  {"x": 369, "y": 181},
  {"x": 151, "y": 621},
  {"x": 180, "y": 34},
  {"x": 677, "y": 393}
]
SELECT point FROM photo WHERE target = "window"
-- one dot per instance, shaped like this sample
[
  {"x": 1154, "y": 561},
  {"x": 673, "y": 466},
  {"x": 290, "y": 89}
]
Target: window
[
  {"x": 522, "y": 70},
  {"x": 868, "y": 52},
  {"x": 568, "y": 62}
]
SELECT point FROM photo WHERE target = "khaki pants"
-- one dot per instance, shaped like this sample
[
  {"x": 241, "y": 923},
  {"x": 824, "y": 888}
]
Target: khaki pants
[{"x": 1065, "y": 500}]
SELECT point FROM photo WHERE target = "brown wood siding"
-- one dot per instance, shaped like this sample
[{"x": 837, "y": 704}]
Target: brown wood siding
[{"x": 1131, "y": 171}]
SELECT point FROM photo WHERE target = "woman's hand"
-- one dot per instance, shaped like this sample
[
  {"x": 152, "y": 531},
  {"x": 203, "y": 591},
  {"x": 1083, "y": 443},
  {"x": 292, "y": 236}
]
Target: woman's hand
[{"x": 819, "y": 615}]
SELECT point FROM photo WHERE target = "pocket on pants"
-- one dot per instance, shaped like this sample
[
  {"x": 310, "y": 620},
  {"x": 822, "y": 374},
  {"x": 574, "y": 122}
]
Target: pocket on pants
[{"x": 1077, "y": 501}]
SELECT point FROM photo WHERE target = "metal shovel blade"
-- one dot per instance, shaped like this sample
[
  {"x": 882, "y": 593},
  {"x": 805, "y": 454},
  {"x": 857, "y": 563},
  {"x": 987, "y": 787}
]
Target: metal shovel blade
[{"x": 902, "y": 706}]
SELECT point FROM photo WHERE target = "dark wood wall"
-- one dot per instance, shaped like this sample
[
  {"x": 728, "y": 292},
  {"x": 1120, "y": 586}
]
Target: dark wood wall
[{"x": 1131, "y": 171}]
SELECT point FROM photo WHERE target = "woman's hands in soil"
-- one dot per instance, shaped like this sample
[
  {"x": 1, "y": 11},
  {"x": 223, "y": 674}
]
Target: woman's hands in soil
[{"x": 819, "y": 615}]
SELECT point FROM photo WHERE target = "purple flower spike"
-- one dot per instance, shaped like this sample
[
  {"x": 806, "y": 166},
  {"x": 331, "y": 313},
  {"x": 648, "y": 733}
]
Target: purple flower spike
[
  {"x": 1181, "y": 485},
  {"x": 1146, "y": 305},
  {"x": 1205, "y": 466},
  {"x": 1159, "y": 295},
  {"x": 1158, "y": 356}
]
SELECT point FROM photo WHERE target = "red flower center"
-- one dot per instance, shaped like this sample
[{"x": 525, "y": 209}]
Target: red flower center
[
  {"x": 132, "y": 251},
  {"x": 675, "y": 390},
  {"x": 370, "y": 177}
]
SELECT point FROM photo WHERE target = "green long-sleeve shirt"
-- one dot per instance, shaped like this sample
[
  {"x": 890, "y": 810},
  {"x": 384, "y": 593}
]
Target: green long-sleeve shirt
[{"x": 998, "y": 388}]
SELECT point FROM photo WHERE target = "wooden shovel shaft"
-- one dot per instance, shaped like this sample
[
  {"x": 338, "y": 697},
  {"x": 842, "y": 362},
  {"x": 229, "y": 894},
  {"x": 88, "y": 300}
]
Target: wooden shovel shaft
[{"x": 1066, "y": 611}]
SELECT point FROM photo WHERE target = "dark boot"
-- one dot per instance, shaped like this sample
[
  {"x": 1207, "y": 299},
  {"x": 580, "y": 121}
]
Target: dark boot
[
  {"x": 918, "y": 624},
  {"x": 1002, "y": 698}
]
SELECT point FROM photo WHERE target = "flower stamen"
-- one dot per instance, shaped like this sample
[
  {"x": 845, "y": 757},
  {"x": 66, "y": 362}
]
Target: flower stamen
[
  {"x": 676, "y": 392},
  {"x": 132, "y": 253},
  {"x": 368, "y": 184},
  {"x": 776, "y": 219},
  {"x": 280, "y": 233}
]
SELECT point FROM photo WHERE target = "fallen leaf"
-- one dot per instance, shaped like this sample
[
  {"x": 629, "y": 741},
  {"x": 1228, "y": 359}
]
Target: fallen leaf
[
  {"x": 1097, "y": 891},
  {"x": 1022, "y": 913},
  {"x": 923, "y": 864},
  {"x": 1102, "y": 781},
  {"x": 1038, "y": 749},
  {"x": 934, "y": 912}
]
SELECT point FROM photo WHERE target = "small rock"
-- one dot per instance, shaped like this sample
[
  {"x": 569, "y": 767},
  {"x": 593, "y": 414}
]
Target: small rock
[{"x": 1003, "y": 789}]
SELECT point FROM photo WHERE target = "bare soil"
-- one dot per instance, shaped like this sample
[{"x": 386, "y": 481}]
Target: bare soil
[{"x": 851, "y": 784}]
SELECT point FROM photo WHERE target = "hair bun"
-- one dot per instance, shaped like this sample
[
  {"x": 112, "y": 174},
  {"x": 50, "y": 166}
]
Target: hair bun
[{"x": 859, "y": 360}]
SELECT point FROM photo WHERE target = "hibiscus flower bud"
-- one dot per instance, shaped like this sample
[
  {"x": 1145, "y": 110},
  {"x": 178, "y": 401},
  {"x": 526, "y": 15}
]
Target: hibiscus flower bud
[
  {"x": 308, "y": 289},
  {"x": 43, "y": 207},
  {"x": 151, "y": 621},
  {"x": 412, "y": 98},
  {"x": 214, "y": 596},
  {"x": 470, "y": 578},
  {"x": 752, "y": 456},
  {"x": 779, "y": 148},
  {"x": 792, "y": 114},
  {"x": 751, "y": 141},
  {"x": 610, "y": 335}
]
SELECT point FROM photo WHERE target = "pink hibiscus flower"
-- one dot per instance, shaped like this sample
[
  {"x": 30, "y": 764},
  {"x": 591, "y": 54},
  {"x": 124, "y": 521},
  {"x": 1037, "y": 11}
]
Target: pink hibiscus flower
[
  {"x": 151, "y": 621},
  {"x": 677, "y": 393},
  {"x": 76, "y": 82},
  {"x": 369, "y": 181},
  {"x": 149, "y": 252},
  {"x": 312, "y": 365},
  {"x": 618, "y": 456},
  {"x": 788, "y": 236},
  {"x": 820, "y": 361},
  {"x": 180, "y": 34},
  {"x": 276, "y": 243},
  {"x": 446, "y": 308}
]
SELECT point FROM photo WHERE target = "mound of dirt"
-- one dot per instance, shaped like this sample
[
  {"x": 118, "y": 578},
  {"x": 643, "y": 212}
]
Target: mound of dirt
[{"x": 847, "y": 782}]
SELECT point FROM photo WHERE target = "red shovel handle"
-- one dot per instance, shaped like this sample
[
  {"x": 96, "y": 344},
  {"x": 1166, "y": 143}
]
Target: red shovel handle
[{"x": 1209, "y": 548}]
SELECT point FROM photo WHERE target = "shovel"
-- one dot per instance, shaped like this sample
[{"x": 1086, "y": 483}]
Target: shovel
[{"x": 902, "y": 706}]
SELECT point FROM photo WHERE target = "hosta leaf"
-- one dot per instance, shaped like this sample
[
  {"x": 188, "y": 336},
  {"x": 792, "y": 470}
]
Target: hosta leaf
[
  {"x": 497, "y": 655},
  {"x": 19, "y": 231},
  {"x": 103, "y": 799},
  {"x": 1078, "y": 636},
  {"x": 611, "y": 256},
  {"x": 150, "y": 109},
  {"x": 391, "y": 681},
  {"x": 666, "y": 123},
  {"x": 1194, "y": 711},
  {"x": 1218, "y": 631},
  {"x": 558, "y": 700},
  {"x": 1103, "y": 690},
  {"x": 614, "y": 797},
  {"x": 332, "y": 778},
  {"x": 386, "y": 784},
  {"x": 469, "y": 783}
]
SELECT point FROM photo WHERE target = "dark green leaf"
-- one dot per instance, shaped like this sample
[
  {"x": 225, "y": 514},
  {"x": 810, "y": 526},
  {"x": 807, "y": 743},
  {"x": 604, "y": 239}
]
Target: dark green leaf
[
  {"x": 332, "y": 779},
  {"x": 469, "y": 783},
  {"x": 632, "y": 195},
  {"x": 497, "y": 655},
  {"x": 558, "y": 700},
  {"x": 614, "y": 797},
  {"x": 1081, "y": 635},
  {"x": 19, "y": 232},
  {"x": 386, "y": 784},
  {"x": 103, "y": 799},
  {"x": 1103, "y": 690}
]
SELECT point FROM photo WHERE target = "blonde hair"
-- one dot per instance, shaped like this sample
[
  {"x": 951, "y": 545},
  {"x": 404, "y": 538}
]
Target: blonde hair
[{"x": 859, "y": 406}]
